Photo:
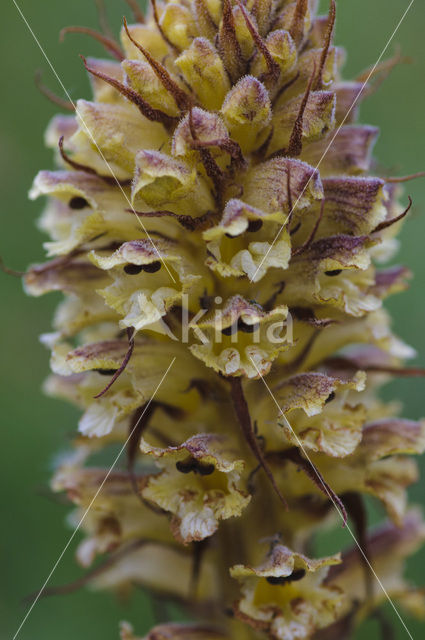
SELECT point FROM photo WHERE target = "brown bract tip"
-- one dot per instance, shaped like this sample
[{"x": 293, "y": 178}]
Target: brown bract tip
[
  {"x": 50, "y": 95},
  {"x": 103, "y": 20},
  {"x": 412, "y": 176},
  {"x": 296, "y": 29},
  {"x": 137, "y": 12},
  {"x": 187, "y": 222},
  {"x": 273, "y": 67},
  {"x": 326, "y": 44},
  {"x": 78, "y": 166},
  {"x": 160, "y": 29},
  {"x": 295, "y": 141},
  {"x": 312, "y": 235},
  {"x": 387, "y": 223},
  {"x": 123, "y": 365},
  {"x": 212, "y": 169},
  {"x": 110, "y": 45},
  {"x": 240, "y": 406},
  {"x": 10, "y": 272},
  {"x": 138, "y": 424},
  {"x": 295, "y": 456},
  {"x": 183, "y": 101},
  {"x": 144, "y": 107},
  {"x": 228, "y": 44}
]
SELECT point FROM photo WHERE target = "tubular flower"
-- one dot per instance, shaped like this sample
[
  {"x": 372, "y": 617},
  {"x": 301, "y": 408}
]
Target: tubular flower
[{"x": 222, "y": 324}]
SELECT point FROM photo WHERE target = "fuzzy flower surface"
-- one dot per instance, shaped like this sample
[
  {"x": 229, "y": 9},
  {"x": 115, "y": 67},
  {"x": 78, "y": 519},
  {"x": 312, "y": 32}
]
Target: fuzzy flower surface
[{"x": 221, "y": 254}]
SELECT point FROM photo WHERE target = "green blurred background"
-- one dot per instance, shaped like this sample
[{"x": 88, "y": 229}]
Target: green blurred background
[{"x": 35, "y": 429}]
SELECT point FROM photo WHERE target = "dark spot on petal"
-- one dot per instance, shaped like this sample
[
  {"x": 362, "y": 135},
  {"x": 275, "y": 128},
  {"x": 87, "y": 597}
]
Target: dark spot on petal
[
  {"x": 204, "y": 469},
  {"x": 295, "y": 229},
  {"x": 298, "y": 574},
  {"x": 105, "y": 372},
  {"x": 295, "y": 575},
  {"x": 185, "y": 466},
  {"x": 152, "y": 267},
  {"x": 330, "y": 397},
  {"x": 247, "y": 328},
  {"x": 276, "y": 580},
  {"x": 77, "y": 202},
  {"x": 206, "y": 301},
  {"x": 333, "y": 272},
  {"x": 254, "y": 225},
  {"x": 228, "y": 331},
  {"x": 191, "y": 464},
  {"x": 133, "y": 269},
  {"x": 229, "y": 235}
]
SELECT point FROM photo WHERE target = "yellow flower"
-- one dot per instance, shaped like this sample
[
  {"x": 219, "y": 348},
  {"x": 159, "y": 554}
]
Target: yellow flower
[
  {"x": 285, "y": 596},
  {"x": 200, "y": 484}
]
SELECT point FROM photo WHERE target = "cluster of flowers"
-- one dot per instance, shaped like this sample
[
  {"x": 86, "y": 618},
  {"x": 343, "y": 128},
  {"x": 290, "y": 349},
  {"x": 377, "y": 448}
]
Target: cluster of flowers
[{"x": 189, "y": 183}]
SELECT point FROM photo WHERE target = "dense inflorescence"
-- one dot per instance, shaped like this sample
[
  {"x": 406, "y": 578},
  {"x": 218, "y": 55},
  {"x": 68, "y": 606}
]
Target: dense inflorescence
[{"x": 220, "y": 252}]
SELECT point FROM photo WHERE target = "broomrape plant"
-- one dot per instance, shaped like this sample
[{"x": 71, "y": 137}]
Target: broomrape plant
[{"x": 221, "y": 256}]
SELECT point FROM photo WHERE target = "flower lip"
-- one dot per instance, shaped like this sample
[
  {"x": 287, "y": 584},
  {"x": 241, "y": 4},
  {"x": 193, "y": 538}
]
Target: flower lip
[{"x": 78, "y": 202}]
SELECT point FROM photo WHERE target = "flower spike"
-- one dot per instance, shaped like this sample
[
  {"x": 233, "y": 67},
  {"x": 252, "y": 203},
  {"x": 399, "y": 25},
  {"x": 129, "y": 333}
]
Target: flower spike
[{"x": 242, "y": 370}]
